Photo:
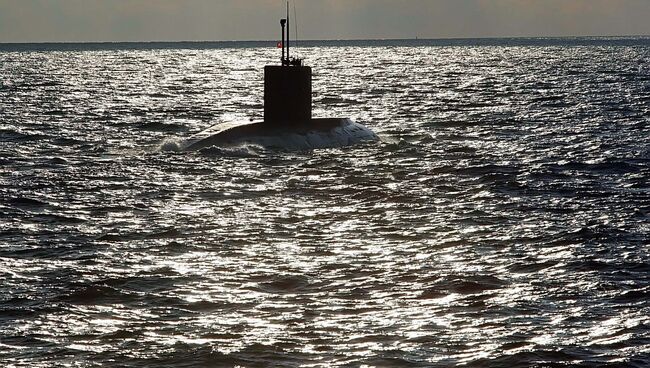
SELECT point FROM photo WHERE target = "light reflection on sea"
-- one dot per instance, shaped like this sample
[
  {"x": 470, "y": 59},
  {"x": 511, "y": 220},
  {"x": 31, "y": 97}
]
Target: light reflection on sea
[{"x": 503, "y": 220}]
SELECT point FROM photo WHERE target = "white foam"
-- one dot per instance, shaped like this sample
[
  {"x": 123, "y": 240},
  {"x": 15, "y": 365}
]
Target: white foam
[{"x": 171, "y": 145}]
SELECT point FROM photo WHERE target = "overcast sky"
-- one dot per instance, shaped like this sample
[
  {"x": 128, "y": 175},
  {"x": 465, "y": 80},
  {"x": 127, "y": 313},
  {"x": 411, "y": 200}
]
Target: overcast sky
[{"x": 171, "y": 20}]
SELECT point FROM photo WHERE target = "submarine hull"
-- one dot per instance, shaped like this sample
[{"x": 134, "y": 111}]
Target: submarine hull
[{"x": 315, "y": 134}]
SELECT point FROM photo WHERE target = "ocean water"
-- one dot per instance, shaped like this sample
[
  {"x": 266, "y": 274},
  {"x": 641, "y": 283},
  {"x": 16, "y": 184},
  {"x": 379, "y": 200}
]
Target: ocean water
[{"x": 503, "y": 220}]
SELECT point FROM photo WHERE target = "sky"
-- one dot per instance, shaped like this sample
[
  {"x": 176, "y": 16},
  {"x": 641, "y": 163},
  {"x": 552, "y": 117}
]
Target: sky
[{"x": 214, "y": 20}]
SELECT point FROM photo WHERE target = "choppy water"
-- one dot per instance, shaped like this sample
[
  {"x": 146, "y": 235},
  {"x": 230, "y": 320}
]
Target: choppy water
[{"x": 503, "y": 221}]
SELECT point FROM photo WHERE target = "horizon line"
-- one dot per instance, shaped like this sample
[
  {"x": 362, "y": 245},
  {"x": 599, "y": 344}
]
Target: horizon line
[{"x": 335, "y": 39}]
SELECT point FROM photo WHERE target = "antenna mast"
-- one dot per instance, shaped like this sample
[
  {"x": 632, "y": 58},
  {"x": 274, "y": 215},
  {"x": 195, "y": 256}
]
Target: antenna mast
[
  {"x": 288, "y": 34},
  {"x": 283, "y": 23},
  {"x": 286, "y": 31}
]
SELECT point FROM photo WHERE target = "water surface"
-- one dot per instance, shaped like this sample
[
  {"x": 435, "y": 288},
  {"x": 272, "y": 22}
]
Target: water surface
[{"x": 504, "y": 219}]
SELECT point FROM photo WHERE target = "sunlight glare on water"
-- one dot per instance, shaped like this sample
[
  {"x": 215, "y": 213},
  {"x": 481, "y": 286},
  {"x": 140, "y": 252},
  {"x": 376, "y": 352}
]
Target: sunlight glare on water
[{"x": 502, "y": 220}]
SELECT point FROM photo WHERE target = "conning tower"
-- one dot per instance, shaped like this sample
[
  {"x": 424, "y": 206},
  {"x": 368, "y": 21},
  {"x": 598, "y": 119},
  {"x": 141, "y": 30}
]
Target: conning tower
[{"x": 287, "y": 87}]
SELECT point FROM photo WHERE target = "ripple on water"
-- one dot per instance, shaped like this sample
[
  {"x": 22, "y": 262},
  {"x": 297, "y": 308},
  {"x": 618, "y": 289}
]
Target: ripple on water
[{"x": 502, "y": 220}]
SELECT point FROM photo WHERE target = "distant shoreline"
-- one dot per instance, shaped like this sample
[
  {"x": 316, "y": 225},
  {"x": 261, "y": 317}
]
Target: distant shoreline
[{"x": 643, "y": 40}]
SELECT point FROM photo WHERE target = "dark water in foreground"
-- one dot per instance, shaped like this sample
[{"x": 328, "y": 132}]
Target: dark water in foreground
[{"x": 503, "y": 221}]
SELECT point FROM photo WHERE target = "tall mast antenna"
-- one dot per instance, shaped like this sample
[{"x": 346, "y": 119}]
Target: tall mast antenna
[
  {"x": 283, "y": 23},
  {"x": 288, "y": 31}
]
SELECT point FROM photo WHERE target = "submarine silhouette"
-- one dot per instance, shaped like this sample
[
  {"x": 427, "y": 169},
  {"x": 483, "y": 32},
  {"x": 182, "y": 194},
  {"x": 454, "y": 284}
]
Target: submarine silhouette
[{"x": 288, "y": 122}]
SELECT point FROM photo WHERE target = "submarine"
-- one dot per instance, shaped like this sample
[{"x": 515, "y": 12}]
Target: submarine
[{"x": 288, "y": 123}]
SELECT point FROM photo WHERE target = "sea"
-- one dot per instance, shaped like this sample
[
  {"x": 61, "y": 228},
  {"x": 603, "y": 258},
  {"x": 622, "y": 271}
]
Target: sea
[{"x": 503, "y": 220}]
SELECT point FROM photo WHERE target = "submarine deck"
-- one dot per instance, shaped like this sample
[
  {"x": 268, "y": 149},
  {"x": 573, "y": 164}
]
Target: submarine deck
[{"x": 316, "y": 133}]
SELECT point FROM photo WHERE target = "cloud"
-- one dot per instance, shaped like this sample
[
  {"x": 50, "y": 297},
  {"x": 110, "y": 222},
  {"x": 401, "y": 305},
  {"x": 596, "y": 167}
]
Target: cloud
[{"x": 144, "y": 20}]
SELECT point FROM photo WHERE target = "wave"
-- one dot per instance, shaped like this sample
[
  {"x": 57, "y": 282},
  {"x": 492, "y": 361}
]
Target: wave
[
  {"x": 23, "y": 202},
  {"x": 163, "y": 127},
  {"x": 9, "y": 135}
]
